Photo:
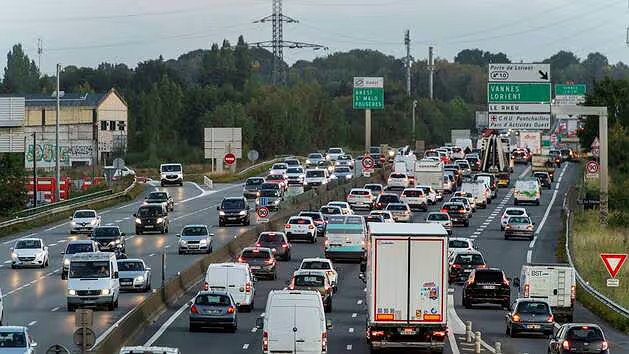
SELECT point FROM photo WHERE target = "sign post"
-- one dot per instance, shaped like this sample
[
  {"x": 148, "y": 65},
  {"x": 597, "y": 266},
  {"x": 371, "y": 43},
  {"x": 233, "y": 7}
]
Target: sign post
[
  {"x": 591, "y": 169},
  {"x": 229, "y": 159},
  {"x": 262, "y": 214},
  {"x": 368, "y": 164},
  {"x": 368, "y": 94},
  {"x": 613, "y": 262}
]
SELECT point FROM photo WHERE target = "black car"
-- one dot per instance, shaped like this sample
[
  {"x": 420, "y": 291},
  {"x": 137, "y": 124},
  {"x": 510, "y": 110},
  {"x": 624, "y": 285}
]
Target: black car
[
  {"x": 109, "y": 239},
  {"x": 458, "y": 213},
  {"x": 474, "y": 162},
  {"x": 572, "y": 338},
  {"x": 556, "y": 156},
  {"x": 544, "y": 179},
  {"x": 260, "y": 260},
  {"x": 385, "y": 199},
  {"x": 252, "y": 187},
  {"x": 233, "y": 210},
  {"x": 161, "y": 197},
  {"x": 487, "y": 286},
  {"x": 277, "y": 242},
  {"x": 152, "y": 217},
  {"x": 529, "y": 316},
  {"x": 375, "y": 152},
  {"x": 462, "y": 263},
  {"x": 567, "y": 154}
]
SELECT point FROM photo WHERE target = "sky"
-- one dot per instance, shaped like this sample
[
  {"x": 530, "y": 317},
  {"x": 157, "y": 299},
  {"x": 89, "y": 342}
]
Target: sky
[{"x": 88, "y": 32}]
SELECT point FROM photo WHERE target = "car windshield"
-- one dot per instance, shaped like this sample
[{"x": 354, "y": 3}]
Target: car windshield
[
  {"x": 314, "y": 216},
  {"x": 212, "y": 300},
  {"x": 431, "y": 153},
  {"x": 488, "y": 277},
  {"x": 413, "y": 193},
  {"x": 12, "y": 340},
  {"x": 28, "y": 244},
  {"x": 194, "y": 231},
  {"x": 439, "y": 217},
  {"x": 315, "y": 156},
  {"x": 269, "y": 193},
  {"x": 393, "y": 206},
  {"x": 342, "y": 170},
  {"x": 309, "y": 280},
  {"x": 233, "y": 204},
  {"x": 85, "y": 214},
  {"x": 335, "y": 151},
  {"x": 315, "y": 265},
  {"x": 295, "y": 170},
  {"x": 584, "y": 333},
  {"x": 458, "y": 244},
  {"x": 171, "y": 168},
  {"x": 130, "y": 266},
  {"x": 255, "y": 254},
  {"x": 330, "y": 210},
  {"x": 149, "y": 212},
  {"x": 541, "y": 175},
  {"x": 105, "y": 232},
  {"x": 292, "y": 162},
  {"x": 79, "y": 248},
  {"x": 529, "y": 307},
  {"x": 158, "y": 195},
  {"x": 473, "y": 259},
  {"x": 89, "y": 269},
  {"x": 271, "y": 237},
  {"x": 373, "y": 187},
  {"x": 315, "y": 173},
  {"x": 388, "y": 198},
  {"x": 515, "y": 212},
  {"x": 279, "y": 166},
  {"x": 254, "y": 181},
  {"x": 519, "y": 220}
]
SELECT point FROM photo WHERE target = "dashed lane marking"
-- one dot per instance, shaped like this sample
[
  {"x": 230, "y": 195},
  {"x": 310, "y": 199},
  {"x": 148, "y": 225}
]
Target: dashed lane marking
[
  {"x": 55, "y": 309},
  {"x": 351, "y": 330},
  {"x": 32, "y": 323},
  {"x": 245, "y": 346},
  {"x": 348, "y": 347},
  {"x": 354, "y": 315},
  {"x": 359, "y": 302}
]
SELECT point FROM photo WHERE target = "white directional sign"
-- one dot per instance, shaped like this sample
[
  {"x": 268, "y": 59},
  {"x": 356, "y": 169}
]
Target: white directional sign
[
  {"x": 519, "y": 72},
  {"x": 519, "y": 108},
  {"x": 519, "y": 121}
]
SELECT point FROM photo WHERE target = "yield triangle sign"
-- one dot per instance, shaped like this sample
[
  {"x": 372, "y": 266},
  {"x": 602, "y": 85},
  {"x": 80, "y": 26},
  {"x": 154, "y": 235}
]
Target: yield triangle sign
[
  {"x": 613, "y": 262},
  {"x": 595, "y": 144}
]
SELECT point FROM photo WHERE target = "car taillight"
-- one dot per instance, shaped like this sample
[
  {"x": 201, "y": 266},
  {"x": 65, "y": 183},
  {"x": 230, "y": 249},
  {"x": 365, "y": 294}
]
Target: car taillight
[
  {"x": 324, "y": 341},
  {"x": 439, "y": 333},
  {"x": 377, "y": 333},
  {"x": 194, "y": 309},
  {"x": 265, "y": 341},
  {"x": 604, "y": 345},
  {"x": 443, "y": 210},
  {"x": 284, "y": 245},
  {"x": 516, "y": 318},
  {"x": 456, "y": 266},
  {"x": 327, "y": 242},
  {"x": 550, "y": 318},
  {"x": 257, "y": 244},
  {"x": 287, "y": 226},
  {"x": 526, "y": 290},
  {"x": 311, "y": 226},
  {"x": 231, "y": 309},
  {"x": 206, "y": 286},
  {"x": 248, "y": 287},
  {"x": 565, "y": 345},
  {"x": 241, "y": 260},
  {"x": 573, "y": 293}
]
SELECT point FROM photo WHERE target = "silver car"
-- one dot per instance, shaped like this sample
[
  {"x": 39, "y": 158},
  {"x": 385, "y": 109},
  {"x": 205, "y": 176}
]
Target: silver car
[
  {"x": 134, "y": 274},
  {"x": 296, "y": 176},
  {"x": 519, "y": 226},
  {"x": 400, "y": 211},
  {"x": 16, "y": 340},
  {"x": 195, "y": 238},
  {"x": 440, "y": 218},
  {"x": 342, "y": 173},
  {"x": 314, "y": 159}
]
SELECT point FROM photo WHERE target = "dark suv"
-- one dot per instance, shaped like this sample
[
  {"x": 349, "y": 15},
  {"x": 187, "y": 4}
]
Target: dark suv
[
  {"x": 261, "y": 261},
  {"x": 109, "y": 239},
  {"x": 487, "y": 286},
  {"x": 578, "y": 338},
  {"x": 233, "y": 210},
  {"x": 385, "y": 199},
  {"x": 458, "y": 213},
  {"x": 277, "y": 242},
  {"x": 159, "y": 197},
  {"x": 152, "y": 217}
]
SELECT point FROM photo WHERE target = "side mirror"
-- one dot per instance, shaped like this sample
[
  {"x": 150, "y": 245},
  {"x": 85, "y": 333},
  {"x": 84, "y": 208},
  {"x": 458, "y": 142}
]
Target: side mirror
[
  {"x": 363, "y": 267},
  {"x": 212, "y": 235},
  {"x": 115, "y": 275},
  {"x": 70, "y": 218},
  {"x": 148, "y": 268},
  {"x": 218, "y": 208},
  {"x": 516, "y": 282},
  {"x": 178, "y": 235},
  {"x": 328, "y": 324},
  {"x": 135, "y": 215},
  {"x": 123, "y": 234},
  {"x": 34, "y": 345},
  {"x": 11, "y": 249},
  {"x": 259, "y": 323},
  {"x": 62, "y": 252}
]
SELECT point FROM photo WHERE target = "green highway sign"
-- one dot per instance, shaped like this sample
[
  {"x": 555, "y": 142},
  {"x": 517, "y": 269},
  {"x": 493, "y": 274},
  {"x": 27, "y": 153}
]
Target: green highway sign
[
  {"x": 518, "y": 92},
  {"x": 577, "y": 90},
  {"x": 368, "y": 93}
]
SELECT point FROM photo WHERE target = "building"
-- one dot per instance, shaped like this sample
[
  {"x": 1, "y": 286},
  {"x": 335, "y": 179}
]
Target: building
[
  {"x": 88, "y": 123},
  {"x": 12, "y": 124}
]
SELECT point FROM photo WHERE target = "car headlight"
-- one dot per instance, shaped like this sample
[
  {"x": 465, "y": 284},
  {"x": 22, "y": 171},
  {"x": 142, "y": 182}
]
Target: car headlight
[
  {"x": 348, "y": 176},
  {"x": 104, "y": 291},
  {"x": 183, "y": 242},
  {"x": 391, "y": 153},
  {"x": 13, "y": 255},
  {"x": 71, "y": 292},
  {"x": 307, "y": 161},
  {"x": 138, "y": 221},
  {"x": 66, "y": 262},
  {"x": 243, "y": 212},
  {"x": 93, "y": 222},
  {"x": 203, "y": 242},
  {"x": 160, "y": 220},
  {"x": 276, "y": 201},
  {"x": 221, "y": 213},
  {"x": 73, "y": 223},
  {"x": 333, "y": 176},
  {"x": 139, "y": 279}
]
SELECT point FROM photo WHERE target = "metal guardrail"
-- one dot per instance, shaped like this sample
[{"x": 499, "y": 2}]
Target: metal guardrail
[
  {"x": 31, "y": 211},
  {"x": 66, "y": 207},
  {"x": 584, "y": 284}
]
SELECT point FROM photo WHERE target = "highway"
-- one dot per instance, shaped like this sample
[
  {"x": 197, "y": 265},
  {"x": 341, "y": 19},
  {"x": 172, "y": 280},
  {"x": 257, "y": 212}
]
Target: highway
[{"x": 36, "y": 297}]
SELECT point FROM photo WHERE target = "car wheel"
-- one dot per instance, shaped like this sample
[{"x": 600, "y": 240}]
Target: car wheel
[
  {"x": 193, "y": 328},
  {"x": 72, "y": 232},
  {"x": 537, "y": 202},
  {"x": 467, "y": 223},
  {"x": 233, "y": 328},
  {"x": 502, "y": 228},
  {"x": 70, "y": 307},
  {"x": 512, "y": 333},
  {"x": 13, "y": 266},
  {"x": 138, "y": 232},
  {"x": 328, "y": 306},
  {"x": 221, "y": 224},
  {"x": 506, "y": 237},
  {"x": 180, "y": 252},
  {"x": 515, "y": 202},
  {"x": 507, "y": 331},
  {"x": 116, "y": 304}
]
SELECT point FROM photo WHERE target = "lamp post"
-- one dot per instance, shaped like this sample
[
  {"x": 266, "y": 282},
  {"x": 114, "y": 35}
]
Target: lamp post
[
  {"x": 413, "y": 134},
  {"x": 57, "y": 172}
]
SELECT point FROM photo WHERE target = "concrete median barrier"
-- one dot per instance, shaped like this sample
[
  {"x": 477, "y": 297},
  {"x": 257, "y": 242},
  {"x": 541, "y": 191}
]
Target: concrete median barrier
[{"x": 140, "y": 316}]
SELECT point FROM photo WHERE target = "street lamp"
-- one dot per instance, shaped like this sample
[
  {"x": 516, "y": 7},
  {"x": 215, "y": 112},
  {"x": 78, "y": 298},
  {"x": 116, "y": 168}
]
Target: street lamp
[{"x": 57, "y": 172}]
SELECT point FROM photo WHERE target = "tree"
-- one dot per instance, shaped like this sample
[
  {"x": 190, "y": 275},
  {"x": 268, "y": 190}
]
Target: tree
[
  {"x": 21, "y": 75},
  {"x": 562, "y": 60},
  {"x": 12, "y": 187},
  {"x": 480, "y": 57},
  {"x": 596, "y": 66}
]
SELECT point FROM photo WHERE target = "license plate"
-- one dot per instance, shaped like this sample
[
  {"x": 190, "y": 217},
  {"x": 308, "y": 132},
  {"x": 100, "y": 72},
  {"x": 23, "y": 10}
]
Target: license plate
[
  {"x": 125, "y": 283},
  {"x": 193, "y": 246},
  {"x": 408, "y": 332},
  {"x": 533, "y": 326},
  {"x": 231, "y": 218},
  {"x": 467, "y": 270},
  {"x": 149, "y": 226},
  {"x": 255, "y": 267},
  {"x": 88, "y": 301},
  {"x": 489, "y": 287}
]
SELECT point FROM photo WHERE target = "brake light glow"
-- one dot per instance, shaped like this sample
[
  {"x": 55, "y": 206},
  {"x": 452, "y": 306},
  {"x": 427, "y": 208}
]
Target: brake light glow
[
  {"x": 241, "y": 260},
  {"x": 287, "y": 226},
  {"x": 443, "y": 210},
  {"x": 550, "y": 318},
  {"x": 284, "y": 245},
  {"x": 565, "y": 345},
  {"x": 526, "y": 290},
  {"x": 324, "y": 341},
  {"x": 456, "y": 266},
  {"x": 257, "y": 244},
  {"x": 377, "y": 333},
  {"x": 265, "y": 341},
  {"x": 573, "y": 293},
  {"x": 439, "y": 333},
  {"x": 194, "y": 309},
  {"x": 231, "y": 309},
  {"x": 516, "y": 318}
]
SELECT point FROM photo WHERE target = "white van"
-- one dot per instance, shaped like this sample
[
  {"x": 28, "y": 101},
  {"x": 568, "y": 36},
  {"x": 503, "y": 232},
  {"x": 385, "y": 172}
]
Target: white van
[
  {"x": 477, "y": 189},
  {"x": 315, "y": 178},
  {"x": 171, "y": 173},
  {"x": 235, "y": 278},
  {"x": 294, "y": 322},
  {"x": 527, "y": 191},
  {"x": 553, "y": 283},
  {"x": 93, "y": 280}
]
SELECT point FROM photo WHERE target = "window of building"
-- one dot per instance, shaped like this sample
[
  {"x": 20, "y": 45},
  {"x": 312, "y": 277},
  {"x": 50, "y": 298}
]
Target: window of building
[
  {"x": 121, "y": 125},
  {"x": 112, "y": 125},
  {"x": 103, "y": 125}
]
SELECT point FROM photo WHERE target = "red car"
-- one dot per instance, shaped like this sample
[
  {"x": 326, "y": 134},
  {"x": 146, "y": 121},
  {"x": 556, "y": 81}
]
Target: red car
[{"x": 282, "y": 180}]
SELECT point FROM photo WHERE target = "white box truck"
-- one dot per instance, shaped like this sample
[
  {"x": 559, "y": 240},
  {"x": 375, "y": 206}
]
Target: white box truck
[
  {"x": 478, "y": 192},
  {"x": 429, "y": 173},
  {"x": 553, "y": 283},
  {"x": 407, "y": 286}
]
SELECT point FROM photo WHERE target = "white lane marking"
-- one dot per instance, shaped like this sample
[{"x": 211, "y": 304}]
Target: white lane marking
[
  {"x": 354, "y": 315},
  {"x": 127, "y": 218},
  {"x": 474, "y": 236},
  {"x": 532, "y": 243},
  {"x": 56, "y": 309},
  {"x": 351, "y": 330},
  {"x": 550, "y": 205},
  {"x": 477, "y": 233},
  {"x": 349, "y": 347},
  {"x": 167, "y": 246},
  {"x": 529, "y": 255},
  {"x": 524, "y": 172},
  {"x": 126, "y": 205},
  {"x": 1, "y": 265},
  {"x": 32, "y": 323},
  {"x": 52, "y": 244},
  {"x": 485, "y": 223},
  {"x": 119, "y": 220},
  {"x": 488, "y": 347},
  {"x": 359, "y": 302},
  {"x": 152, "y": 255},
  {"x": 254, "y": 329},
  {"x": 7, "y": 262},
  {"x": 165, "y": 326},
  {"x": 245, "y": 346}
]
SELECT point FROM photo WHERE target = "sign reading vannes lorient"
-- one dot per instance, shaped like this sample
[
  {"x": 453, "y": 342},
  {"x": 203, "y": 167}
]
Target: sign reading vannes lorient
[{"x": 519, "y": 96}]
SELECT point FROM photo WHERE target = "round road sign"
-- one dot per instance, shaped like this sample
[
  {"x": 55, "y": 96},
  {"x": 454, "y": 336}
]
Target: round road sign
[
  {"x": 89, "y": 337},
  {"x": 57, "y": 349},
  {"x": 229, "y": 158},
  {"x": 368, "y": 162},
  {"x": 118, "y": 163},
  {"x": 592, "y": 166},
  {"x": 253, "y": 155},
  {"x": 262, "y": 212}
]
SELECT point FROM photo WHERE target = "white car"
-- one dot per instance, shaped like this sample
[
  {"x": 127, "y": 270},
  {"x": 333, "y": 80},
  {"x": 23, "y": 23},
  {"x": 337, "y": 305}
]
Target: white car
[
  {"x": 345, "y": 207},
  {"x": 315, "y": 178},
  {"x": 386, "y": 215},
  {"x": 29, "y": 252},
  {"x": 84, "y": 221},
  {"x": 321, "y": 264},
  {"x": 467, "y": 195},
  {"x": 431, "y": 195},
  {"x": 171, "y": 173},
  {"x": 448, "y": 185},
  {"x": 301, "y": 227},
  {"x": 438, "y": 217},
  {"x": 509, "y": 212},
  {"x": 116, "y": 173},
  {"x": 345, "y": 160},
  {"x": 16, "y": 340},
  {"x": 400, "y": 211},
  {"x": 334, "y": 153},
  {"x": 360, "y": 198},
  {"x": 415, "y": 198},
  {"x": 279, "y": 168},
  {"x": 397, "y": 180},
  {"x": 456, "y": 244},
  {"x": 375, "y": 188}
]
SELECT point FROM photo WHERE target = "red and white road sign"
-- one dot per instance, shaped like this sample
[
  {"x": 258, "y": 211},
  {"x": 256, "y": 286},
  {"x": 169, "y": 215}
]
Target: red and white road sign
[
  {"x": 262, "y": 212},
  {"x": 229, "y": 158},
  {"x": 613, "y": 262},
  {"x": 592, "y": 167},
  {"x": 368, "y": 162}
]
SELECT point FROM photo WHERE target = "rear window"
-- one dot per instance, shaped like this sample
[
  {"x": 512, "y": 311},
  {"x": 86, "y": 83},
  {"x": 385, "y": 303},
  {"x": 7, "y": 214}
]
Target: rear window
[
  {"x": 413, "y": 193},
  {"x": 374, "y": 218},
  {"x": 171, "y": 168},
  {"x": 255, "y": 254},
  {"x": 439, "y": 217},
  {"x": 279, "y": 166},
  {"x": 374, "y": 150},
  {"x": 460, "y": 200},
  {"x": 458, "y": 244},
  {"x": 385, "y": 198},
  {"x": 212, "y": 300},
  {"x": 299, "y": 221},
  {"x": 373, "y": 187},
  {"x": 473, "y": 259},
  {"x": 397, "y": 175},
  {"x": 488, "y": 277},
  {"x": 519, "y": 220},
  {"x": 275, "y": 238},
  {"x": 355, "y": 192},
  {"x": 453, "y": 207},
  {"x": 584, "y": 333},
  {"x": 295, "y": 170},
  {"x": 335, "y": 151},
  {"x": 254, "y": 181},
  {"x": 397, "y": 207},
  {"x": 330, "y": 210},
  {"x": 274, "y": 177},
  {"x": 130, "y": 266},
  {"x": 314, "y": 216},
  {"x": 315, "y": 156},
  {"x": 315, "y": 173},
  {"x": 386, "y": 216},
  {"x": 157, "y": 195},
  {"x": 12, "y": 340},
  {"x": 342, "y": 170},
  {"x": 538, "y": 308},
  {"x": 515, "y": 212},
  {"x": 309, "y": 280},
  {"x": 269, "y": 186},
  {"x": 315, "y": 265}
]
